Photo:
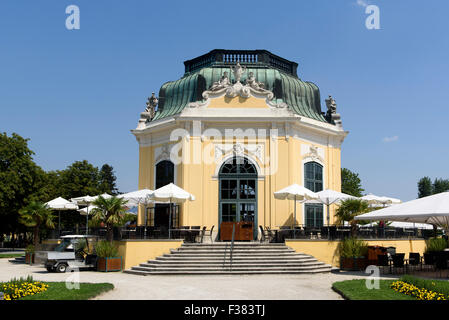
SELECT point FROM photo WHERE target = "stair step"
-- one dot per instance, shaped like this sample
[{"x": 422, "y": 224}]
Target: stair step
[
  {"x": 247, "y": 258},
  {"x": 234, "y": 268},
  {"x": 247, "y": 272},
  {"x": 218, "y": 261},
  {"x": 234, "y": 265}
]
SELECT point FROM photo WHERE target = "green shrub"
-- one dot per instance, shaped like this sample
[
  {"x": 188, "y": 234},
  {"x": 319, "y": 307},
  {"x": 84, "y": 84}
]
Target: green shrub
[
  {"x": 29, "y": 249},
  {"x": 431, "y": 285},
  {"x": 352, "y": 247},
  {"x": 106, "y": 249},
  {"x": 435, "y": 244}
]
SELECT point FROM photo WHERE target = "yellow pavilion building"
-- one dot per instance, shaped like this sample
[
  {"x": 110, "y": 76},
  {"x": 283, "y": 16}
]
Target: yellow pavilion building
[{"x": 236, "y": 127}]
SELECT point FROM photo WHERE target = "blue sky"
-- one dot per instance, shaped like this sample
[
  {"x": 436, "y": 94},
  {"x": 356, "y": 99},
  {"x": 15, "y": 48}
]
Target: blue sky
[{"x": 77, "y": 94}]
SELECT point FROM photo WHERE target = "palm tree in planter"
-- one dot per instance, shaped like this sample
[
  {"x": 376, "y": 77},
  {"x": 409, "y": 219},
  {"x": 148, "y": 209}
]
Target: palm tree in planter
[
  {"x": 110, "y": 211},
  {"x": 35, "y": 215},
  {"x": 348, "y": 210}
]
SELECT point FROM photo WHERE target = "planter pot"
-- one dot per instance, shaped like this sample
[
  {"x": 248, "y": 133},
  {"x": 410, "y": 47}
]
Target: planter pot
[
  {"x": 29, "y": 258},
  {"x": 109, "y": 264},
  {"x": 353, "y": 264}
]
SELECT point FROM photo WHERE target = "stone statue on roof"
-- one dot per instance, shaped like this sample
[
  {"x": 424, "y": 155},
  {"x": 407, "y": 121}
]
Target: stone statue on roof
[
  {"x": 151, "y": 105},
  {"x": 251, "y": 81},
  {"x": 331, "y": 105},
  {"x": 222, "y": 83},
  {"x": 332, "y": 114},
  {"x": 238, "y": 71}
]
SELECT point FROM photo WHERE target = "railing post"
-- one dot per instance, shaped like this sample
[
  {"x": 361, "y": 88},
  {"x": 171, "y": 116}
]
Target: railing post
[{"x": 232, "y": 247}]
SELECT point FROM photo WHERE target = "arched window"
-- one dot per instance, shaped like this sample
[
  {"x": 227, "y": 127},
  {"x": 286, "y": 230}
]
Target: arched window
[
  {"x": 165, "y": 173},
  {"x": 313, "y": 180},
  {"x": 313, "y": 176},
  {"x": 159, "y": 216},
  {"x": 238, "y": 191}
]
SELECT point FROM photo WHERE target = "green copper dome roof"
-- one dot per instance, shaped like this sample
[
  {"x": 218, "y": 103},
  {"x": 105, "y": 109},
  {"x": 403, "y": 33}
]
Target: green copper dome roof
[{"x": 277, "y": 74}]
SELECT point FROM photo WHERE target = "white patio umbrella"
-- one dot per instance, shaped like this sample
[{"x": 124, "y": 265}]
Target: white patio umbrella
[
  {"x": 329, "y": 197},
  {"x": 173, "y": 194},
  {"x": 60, "y": 204},
  {"x": 85, "y": 201},
  {"x": 433, "y": 210},
  {"x": 373, "y": 199},
  {"x": 104, "y": 195},
  {"x": 87, "y": 210},
  {"x": 397, "y": 224},
  {"x": 138, "y": 197},
  {"x": 295, "y": 192}
]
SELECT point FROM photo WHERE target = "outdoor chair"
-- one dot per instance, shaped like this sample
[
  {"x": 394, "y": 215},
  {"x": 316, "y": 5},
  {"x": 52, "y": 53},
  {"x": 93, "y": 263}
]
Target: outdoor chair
[
  {"x": 203, "y": 233},
  {"x": 429, "y": 260},
  {"x": 383, "y": 261},
  {"x": 414, "y": 260},
  {"x": 263, "y": 234},
  {"x": 272, "y": 235},
  {"x": 398, "y": 262},
  {"x": 441, "y": 258}
]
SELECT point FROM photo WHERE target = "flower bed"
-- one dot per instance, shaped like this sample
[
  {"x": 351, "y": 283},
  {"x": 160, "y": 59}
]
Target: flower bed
[
  {"x": 418, "y": 293},
  {"x": 16, "y": 289}
]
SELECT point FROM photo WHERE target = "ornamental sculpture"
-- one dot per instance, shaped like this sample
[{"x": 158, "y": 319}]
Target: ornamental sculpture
[
  {"x": 331, "y": 105},
  {"x": 251, "y": 81},
  {"x": 230, "y": 90},
  {"x": 332, "y": 114},
  {"x": 238, "y": 71},
  {"x": 222, "y": 83},
  {"x": 151, "y": 105}
]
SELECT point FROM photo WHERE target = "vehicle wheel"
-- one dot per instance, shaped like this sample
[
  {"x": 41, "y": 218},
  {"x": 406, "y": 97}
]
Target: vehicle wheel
[
  {"x": 61, "y": 268},
  {"x": 49, "y": 269}
]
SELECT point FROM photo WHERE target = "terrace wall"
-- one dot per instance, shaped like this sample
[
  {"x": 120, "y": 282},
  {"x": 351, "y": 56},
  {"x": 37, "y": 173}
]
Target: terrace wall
[{"x": 325, "y": 251}]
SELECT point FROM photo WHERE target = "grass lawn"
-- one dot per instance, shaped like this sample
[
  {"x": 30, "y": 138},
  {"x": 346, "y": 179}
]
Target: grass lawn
[
  {"x": 58, "y": 291},
  {"x": 357, "y": 290},
  {"x": 6, "y": 255}
]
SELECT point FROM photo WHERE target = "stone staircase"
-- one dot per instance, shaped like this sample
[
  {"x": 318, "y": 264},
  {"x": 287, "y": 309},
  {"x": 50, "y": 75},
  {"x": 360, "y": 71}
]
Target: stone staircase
[{"x": 247, "y": 258}]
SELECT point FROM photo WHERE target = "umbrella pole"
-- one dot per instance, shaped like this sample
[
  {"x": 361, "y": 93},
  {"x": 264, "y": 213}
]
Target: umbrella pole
[
  {"x": 169, "y": 223},
  {"x": 59, "y": 223},
  {"x": 294, "y": 216},
  {"x": 87, "y": 220},
  {"x": 328, "y": 219},
  {"x": 145, "y": 230}
]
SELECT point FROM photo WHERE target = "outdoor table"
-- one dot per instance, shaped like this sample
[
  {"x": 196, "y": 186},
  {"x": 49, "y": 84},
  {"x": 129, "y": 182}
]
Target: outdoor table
[{"x": 190, "y": 233}]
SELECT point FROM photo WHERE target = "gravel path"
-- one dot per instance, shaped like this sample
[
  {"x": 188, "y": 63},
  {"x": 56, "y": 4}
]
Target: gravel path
[{"x": 197, "y": 287}]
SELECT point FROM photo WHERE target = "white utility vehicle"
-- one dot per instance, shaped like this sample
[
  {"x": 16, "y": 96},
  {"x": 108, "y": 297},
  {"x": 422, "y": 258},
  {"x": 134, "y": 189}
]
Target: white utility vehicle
[{"x": 75, "y": 252}]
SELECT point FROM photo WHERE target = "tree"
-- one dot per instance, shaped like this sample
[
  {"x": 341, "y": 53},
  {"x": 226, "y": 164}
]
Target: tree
[
  {"x": 20, "y": 179},
  {"x": 80, "y": 179},
  {"x": 425, "y": 187},
  {"x": 107, "y": 180},
  {"x": 440, "y": 185},
  {"x": 349, "y": 209},
  {"x": 110, "y": 211},
  {"x": 351, "y": 183},
  {"x": 36, "y": 215}
]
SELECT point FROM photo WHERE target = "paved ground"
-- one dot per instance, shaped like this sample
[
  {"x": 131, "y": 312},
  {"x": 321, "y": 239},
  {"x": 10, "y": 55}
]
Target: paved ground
[{"x": 219, "y": 287}]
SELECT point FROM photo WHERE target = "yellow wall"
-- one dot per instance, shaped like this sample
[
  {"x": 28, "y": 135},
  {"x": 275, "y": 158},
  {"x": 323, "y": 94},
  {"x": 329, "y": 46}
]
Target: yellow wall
[
  {"x": 198, "y": 178},
  {"x": 238, "y": 102},
  {"x": 325, "y": 251},
  {"x": 135, "y": 252}
]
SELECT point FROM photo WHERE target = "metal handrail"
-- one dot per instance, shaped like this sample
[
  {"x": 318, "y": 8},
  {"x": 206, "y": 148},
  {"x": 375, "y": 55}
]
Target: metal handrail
[
  {"x": 232, "y": 247},
  {"x": 224, "y": 258}
]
